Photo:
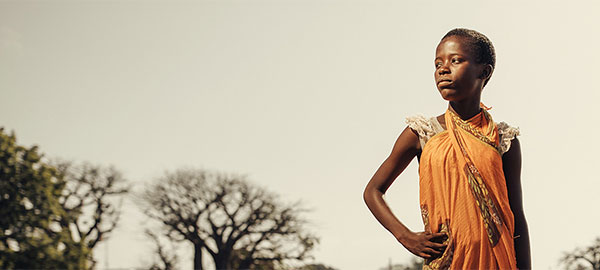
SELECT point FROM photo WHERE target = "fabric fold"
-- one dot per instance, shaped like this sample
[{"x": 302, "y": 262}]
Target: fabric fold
[{"x": 463, "y": 193}]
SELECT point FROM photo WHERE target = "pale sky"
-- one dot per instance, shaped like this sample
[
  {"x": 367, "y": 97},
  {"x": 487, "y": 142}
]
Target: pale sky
[{"x": 307, "y": 98}]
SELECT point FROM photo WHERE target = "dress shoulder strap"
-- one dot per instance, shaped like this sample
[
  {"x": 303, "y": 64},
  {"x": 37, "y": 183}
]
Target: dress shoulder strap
[{"x": 506, "y": 133}]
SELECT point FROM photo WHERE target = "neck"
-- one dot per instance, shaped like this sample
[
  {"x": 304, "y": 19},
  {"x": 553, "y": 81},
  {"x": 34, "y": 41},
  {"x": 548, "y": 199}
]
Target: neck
[{"x": 466, "y": 109}]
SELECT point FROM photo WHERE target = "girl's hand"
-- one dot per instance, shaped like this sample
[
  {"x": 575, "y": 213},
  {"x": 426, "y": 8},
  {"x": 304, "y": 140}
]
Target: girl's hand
[{"x": 425, "y": 245}]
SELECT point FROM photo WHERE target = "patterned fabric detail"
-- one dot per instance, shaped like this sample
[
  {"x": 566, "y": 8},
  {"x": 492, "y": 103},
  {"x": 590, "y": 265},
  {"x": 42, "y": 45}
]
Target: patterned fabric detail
[
  {"x": 489, "y": 212},
  {"x": 425, "y": 216},
  {"x": 444, "y": 261},
  {"x": 507, "y": 134},
  {"x": 475, "y": 131}
]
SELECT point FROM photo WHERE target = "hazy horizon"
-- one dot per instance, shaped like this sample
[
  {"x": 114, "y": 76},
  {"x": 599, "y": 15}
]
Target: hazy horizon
[{"x": 306, "y": 98}]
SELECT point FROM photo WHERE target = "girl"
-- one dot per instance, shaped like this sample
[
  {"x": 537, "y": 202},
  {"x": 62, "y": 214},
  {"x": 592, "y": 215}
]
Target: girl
[{"x": 469, "y": 170}]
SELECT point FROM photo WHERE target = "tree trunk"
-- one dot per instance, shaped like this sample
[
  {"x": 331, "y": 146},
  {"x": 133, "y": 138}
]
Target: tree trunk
[
  {"x": 223, "y": 261},
  {"x": 198, "y": 257},
  {"x": 245, "y": 264}
]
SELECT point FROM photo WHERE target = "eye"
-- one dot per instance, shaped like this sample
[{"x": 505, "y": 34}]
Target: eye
[
  {"x": 438, "y": 64},
  {"x": 456, "y": 60}
]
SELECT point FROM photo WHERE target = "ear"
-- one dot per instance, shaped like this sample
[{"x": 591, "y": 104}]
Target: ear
[{"x": 486, "y": 72}]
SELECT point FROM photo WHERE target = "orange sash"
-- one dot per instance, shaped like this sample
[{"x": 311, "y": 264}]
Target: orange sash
[{"x": 463, "y": 193}]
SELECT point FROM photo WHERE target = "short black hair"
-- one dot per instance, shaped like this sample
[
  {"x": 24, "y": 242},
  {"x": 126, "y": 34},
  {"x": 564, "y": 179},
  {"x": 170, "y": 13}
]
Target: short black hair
[{"x": 480, "y": 45}]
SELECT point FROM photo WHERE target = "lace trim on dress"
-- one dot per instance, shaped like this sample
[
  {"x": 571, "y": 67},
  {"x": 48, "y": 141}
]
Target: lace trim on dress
[
  {"x": 429, "y": 127},
  {"x": 423, "y": 126},
  {"x": 507, "y": 134}
]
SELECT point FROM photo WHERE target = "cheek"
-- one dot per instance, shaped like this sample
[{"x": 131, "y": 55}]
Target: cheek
[
  {"x": 472, "y": 74},
  {"x": 465, "y": 77}
]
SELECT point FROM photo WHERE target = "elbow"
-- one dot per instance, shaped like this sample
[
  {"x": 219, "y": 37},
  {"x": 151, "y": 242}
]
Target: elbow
[{"x": 367, "y": 195}]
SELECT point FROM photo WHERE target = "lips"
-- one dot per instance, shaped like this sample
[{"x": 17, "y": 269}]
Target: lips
[{"x": 444, "y": 81}]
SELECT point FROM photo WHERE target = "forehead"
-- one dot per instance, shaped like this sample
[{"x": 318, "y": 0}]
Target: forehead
[{"x": 454, "y": 45}]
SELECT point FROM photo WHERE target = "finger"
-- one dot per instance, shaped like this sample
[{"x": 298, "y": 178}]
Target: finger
[
  {"x": 435, "y": 245},
  {"x": 424, "y": 255},
  {"x": 436, "y": 235},
  {"x": 432, "y": 252}
]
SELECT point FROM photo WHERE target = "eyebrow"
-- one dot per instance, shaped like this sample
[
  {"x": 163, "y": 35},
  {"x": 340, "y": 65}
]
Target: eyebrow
[{"x": 452, "y": 54}]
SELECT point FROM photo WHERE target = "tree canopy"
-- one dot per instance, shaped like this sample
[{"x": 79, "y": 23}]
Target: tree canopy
[
  {"x": 240, "y": 225},
  {"x": 30, "y": 231},
  {"x": 91, "y": 197},
  {"x": 53, "y": 215}
]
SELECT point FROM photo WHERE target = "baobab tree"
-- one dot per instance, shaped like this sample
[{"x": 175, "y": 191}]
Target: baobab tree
[{"x": 240, "y": 225}]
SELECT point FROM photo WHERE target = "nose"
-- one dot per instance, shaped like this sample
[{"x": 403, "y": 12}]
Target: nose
[{"x": 443, "y": 69}]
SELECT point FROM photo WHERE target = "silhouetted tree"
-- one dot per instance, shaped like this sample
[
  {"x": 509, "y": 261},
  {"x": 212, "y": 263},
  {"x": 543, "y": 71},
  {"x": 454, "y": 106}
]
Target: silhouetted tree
[
  {"x": 92, "y": 198},
  {"x": 583, "y": 258},
  {"x": 238, "y": 224},
  {"x": 167, "y": 259},
  {"x": 31, "y": 236}
]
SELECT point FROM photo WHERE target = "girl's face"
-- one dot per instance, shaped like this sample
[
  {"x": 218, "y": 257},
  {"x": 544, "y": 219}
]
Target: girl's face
[{"x": 457, "y": 75}]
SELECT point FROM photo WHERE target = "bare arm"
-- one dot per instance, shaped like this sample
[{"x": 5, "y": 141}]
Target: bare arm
[
  {"x": 405, "y": 149},
  {"x": 511, "y": 161}
]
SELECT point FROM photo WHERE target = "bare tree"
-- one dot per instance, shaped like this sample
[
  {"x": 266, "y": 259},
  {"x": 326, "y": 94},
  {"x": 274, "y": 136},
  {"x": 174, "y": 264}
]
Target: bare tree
[
  {"x": 238, "y": 224},
  {"x": 167, "y": 259},
  {"x": 583, "y": 258},
  {"x": 92, "y": 200}
]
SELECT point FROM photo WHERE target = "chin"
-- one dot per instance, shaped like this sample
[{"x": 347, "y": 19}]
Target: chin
[{"x": 448, "y": 94}]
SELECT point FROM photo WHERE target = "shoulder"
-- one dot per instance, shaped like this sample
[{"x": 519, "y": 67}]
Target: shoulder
[
  {"x": 419, "y": 124},
  {"x": 423, "y": 127},
  {"x": 507, "y": 134}
]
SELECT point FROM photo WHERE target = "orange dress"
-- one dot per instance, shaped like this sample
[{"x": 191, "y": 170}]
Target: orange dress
[{"x": 463, "y": 193}]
